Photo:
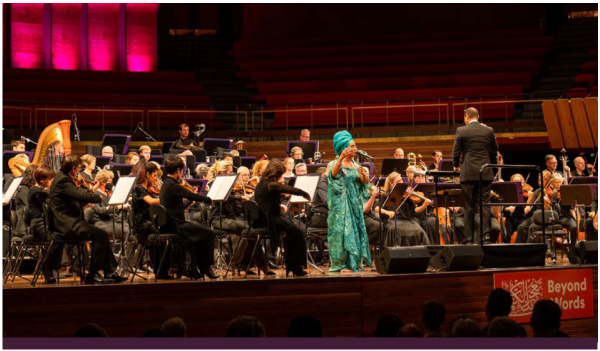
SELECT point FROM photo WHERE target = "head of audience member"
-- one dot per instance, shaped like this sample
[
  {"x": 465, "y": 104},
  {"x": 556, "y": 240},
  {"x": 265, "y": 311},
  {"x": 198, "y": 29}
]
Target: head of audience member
[
  {"x": 504, "y": 327},
  {"x": 545, "y": 317},
  {"x": 245, "y": 327},
  {"x": 90, "y": 330},
  {"x": 145, "y": 152},
  {"x": 174, "y": 167},
  {"x": 274, "y": 172},
  {"x": 108, "y": 151},
  {"x": 499, "y": 304},
  {"x": 132, "y": 158},
  {"x": 433, "y": 315},
  {"x": 44, "y": 176},
  {"x": 259, "y": 168},
  {"x": 89, "y": 162},
  {"x": 58, "y": 148},
  {"x": 296, "y": 153},
  {"x": 305, "y": 135},
  {"x": 17, "y": 145},
  {"x": 305, "y": 327},
  {"x": 465, "y": 328},
  {"x": 388, "y": 326},
  {"x": 29, "y": 176},
  {"x": 411, "y": 331},
  {"x": 551, "y": 162},
  {"x": 244, "y": 173},
  {"x": 579, "y": 163},
  {"x": 70, "y": 165},
  {"x": 471, "y": 114},
  {"x": 174, "y": 328},
  {"x": 289, "y": 165},
  {"x": 154, "y": 333},
  {"x": 301, "y": 169},
  {"x": 203, "y": 172},
  {"x": 391, "y": 181},
  {"x": 104, "y": 179},
  {"x": 436, "y": 157},
  {"x": 184, "y": 130},
  {"x": 399, "y": 154},
  {"x": 150, "y": 175}
]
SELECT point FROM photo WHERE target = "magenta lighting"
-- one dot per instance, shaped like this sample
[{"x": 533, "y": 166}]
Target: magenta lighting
[{"x": 26, "y": 36}]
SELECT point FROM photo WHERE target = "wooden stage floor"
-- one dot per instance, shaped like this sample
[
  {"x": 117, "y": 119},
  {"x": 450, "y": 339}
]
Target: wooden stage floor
[{"x": 347, "y": 304}]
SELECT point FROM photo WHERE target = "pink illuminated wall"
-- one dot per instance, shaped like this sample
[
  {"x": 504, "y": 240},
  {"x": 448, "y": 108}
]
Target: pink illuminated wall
[
  {"x": 66, "y": 36},
  {"x": 27, "y": 35},
  {"x": 103, "y": 33},
  {"x": 141, "y": 37}
]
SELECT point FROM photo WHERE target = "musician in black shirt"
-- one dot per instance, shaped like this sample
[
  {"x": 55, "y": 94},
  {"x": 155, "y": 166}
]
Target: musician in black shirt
[{"x": 184, "y": 142}]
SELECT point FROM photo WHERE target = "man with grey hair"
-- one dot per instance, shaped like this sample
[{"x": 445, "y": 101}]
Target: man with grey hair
[
  {"x": 305, "y": 135},
  {"x": 107, "y": 151},
  {"x": 300, "y": 169},
  {"x": 475, "y": 146},
  {"x": 580, "y": 170}
]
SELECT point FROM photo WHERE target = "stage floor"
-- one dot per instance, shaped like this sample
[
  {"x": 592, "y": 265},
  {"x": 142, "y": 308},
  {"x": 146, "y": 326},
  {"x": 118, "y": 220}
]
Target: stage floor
[{"x": 346, "y": 304}]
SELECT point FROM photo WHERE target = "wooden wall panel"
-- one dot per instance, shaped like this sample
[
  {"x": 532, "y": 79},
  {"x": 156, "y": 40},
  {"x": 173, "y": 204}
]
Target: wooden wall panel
[
  {"x": 591, "y": 107},
  {"x": 567, "y": 126},
  {"x": 582, "y": 125},
  {"x": 552, "y": 124}
]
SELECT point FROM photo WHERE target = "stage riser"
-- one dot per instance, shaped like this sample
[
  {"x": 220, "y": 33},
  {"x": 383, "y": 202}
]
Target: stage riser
[{"x": 346, "y": 305}]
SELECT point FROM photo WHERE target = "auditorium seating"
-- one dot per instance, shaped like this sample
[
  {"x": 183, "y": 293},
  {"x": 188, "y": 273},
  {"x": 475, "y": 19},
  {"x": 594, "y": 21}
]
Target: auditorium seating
[
  {"x": 586, "y": 83},
  {"x": 337, "y": 76}
]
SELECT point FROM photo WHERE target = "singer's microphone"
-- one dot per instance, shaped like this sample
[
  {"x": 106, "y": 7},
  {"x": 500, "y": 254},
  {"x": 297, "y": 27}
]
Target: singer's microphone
[{"x": 365, "y": 154}]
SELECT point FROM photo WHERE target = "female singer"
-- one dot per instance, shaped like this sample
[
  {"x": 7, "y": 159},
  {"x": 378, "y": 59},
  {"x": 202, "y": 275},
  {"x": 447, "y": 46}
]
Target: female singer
[
  {"x": 267, "y": 195},
  {"x": 289, "y": 167},
  {"x": 346, "y": 195},
  {"x": 103, "y": 214}
]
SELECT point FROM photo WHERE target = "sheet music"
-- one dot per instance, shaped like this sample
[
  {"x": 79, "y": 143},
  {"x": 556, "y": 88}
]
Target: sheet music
[
  {"x": 12, "y": 189},
  {"x": 221, "y": 186},
  {"x": 122, "y": 190},
  {"x": 308, "y": 184}
]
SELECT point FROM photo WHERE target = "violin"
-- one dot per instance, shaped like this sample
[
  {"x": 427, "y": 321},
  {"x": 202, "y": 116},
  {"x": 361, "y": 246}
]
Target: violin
[
  {"x": 527, "y": 189},
  {"x": 187, "y": 185},
  {"x": 253, "y": 182},
  {"x": 416, "y": 196},
  {"x": 246, "y": 189}
]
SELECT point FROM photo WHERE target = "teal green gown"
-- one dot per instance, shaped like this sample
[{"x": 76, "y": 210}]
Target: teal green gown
[{"x": 347, "y": 234}]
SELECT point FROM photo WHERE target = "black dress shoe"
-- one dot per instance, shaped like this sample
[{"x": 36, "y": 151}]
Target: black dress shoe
[
  {"x": 98, "y": 281},
  {"x": 50, "y": 280},
  {"x": 116, "y": 278},
  {"x": 209, "y": 273},
  {"x": 249, "y": 272}
]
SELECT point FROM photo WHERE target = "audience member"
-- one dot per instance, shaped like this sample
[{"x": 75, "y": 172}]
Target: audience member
[
  {"x": 498, "y": 305},
  {"x": 90, "y": 330},
  {"x": 305, "y": 327},
  {"x": 504, "y": 327},
  {"x": 388, "y": 326},
  {"x": 465, "y": 328},
  {"x": 174, "y": 328},
  {"x": 433, "y": 316},
  {"x": 545, "y": 317},
  {"x": 245, "y": 327},
  {"x": 411, "y": 331}
]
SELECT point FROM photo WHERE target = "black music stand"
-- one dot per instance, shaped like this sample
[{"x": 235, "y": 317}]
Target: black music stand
[
  {"x": 120, "y": 197},
  {"x": 507, "y": 192},
  {"x": 449, "y": 197},
  {"x": 210, "y": 145},
  {"x": 120, "y": 169},
  {"x": 577, "y": 195},
  {"x": 102, "y": 161},
  {"x": 390, "y": 165},
  {"x": 583, "y": 180},
  {"x": 393, "y": 203},
  {"x": 121, "y": 141},
  {"x": 308, "y": 147}
]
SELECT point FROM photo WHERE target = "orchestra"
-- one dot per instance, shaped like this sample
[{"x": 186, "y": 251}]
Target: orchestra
[{"x": 79, "y": 193}]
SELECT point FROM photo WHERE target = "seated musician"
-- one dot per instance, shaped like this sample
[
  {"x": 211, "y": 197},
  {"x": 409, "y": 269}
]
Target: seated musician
[
  {"x": 232, "y": 216},
  {"x": 296, "y": 153},
  {"x": 172, "y": 197},
  {"x": 410, "y": 176},
  {"x": 108, "y": 151},
  {"x": 567, "y": 216},
  {"x": 106, "y": 217},
  {"x": 591, "y": 233},
  {"x": 534, "y": 197},
  {"x": 132, "y": 158},
  {"x": 36, "y": 196},
  {"x": 372, "y": 221},
  {"x": 580, "y": 168},
  {"x": 301, "y": 169},
  {"x": 257, "y": 171},
  {"x": 289, "y": 167},
  {"x": 399, "y": 154},
  {"x": 551, "y": 163},
  {"x": 89, "y": 164},
  {"x": 66, "y": 202},
  {"x": 427, "y": 219},
  {"x": 17, "y": 145},
  {"x": 514, "y": 215},
  {"x": 21, "y": 200},
  {"x": 184, "y": 142},
  {"x": 145, "y": 152},
  {"x": 436, "y": 158}
]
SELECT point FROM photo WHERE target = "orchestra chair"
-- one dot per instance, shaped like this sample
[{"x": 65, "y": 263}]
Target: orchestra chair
[
  {"x": 20, "y": 246},
  {"x": 56, "y": 238},
  {"x": 318, "y": 236},
  {"x": 552, "y": 228},
  {"x": 252, "y": 214}
]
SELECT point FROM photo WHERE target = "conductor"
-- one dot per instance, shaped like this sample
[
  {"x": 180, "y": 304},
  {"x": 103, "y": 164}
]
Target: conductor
[{"x": 477, "y": 145}]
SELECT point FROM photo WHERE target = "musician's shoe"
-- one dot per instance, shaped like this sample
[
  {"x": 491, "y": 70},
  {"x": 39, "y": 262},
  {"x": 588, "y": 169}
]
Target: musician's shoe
[
  {"x": 116, "y": 278},
  {"x": 97, "y": 280},
  {"x": 207, "y": 271}
]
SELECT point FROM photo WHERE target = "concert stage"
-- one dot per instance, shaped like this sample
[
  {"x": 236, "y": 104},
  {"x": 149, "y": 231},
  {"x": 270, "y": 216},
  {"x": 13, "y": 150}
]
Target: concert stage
[{"x": 347, "y": 304}]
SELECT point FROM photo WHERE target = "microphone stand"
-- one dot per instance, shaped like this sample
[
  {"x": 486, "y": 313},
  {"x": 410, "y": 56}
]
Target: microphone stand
[
  {"x": 148, "y": 136},
  {"x": 77, "y": 134}
]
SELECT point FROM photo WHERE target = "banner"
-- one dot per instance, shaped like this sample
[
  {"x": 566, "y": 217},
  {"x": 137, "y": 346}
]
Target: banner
[{"x": 571, "y": 289}]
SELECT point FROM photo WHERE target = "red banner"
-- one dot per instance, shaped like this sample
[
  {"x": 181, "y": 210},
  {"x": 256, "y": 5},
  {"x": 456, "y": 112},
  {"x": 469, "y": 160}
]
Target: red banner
[{"x": 571, "y": 289}]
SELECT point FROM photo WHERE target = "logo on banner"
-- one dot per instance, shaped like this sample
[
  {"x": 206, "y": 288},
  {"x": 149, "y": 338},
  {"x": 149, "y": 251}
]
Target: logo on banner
[{"x": 572, "y": 290}]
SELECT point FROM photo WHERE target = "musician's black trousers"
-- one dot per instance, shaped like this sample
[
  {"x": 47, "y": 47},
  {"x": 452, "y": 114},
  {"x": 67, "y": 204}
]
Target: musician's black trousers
[{"x": 470, "y": 192}]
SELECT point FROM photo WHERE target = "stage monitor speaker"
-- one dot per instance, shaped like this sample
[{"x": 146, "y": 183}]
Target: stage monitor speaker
[
  {"x": 458, "y": 258},
  {"x": 584, "y": 253},
  {"x": 514, "y": 255},
  {"x": 414, "y": 259}
]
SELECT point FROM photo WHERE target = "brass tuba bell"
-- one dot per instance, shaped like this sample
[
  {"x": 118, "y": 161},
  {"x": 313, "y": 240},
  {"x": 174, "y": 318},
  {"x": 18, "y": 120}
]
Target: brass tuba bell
[
  {"x": 53, "y": 133},
  {"x": 18, "y": 164},
  {"x": 412, "y": 159}
]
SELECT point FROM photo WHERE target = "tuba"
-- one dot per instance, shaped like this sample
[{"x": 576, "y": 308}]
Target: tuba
[
  {"x": 55, "y": 132},
  {"x": 412, "y": 159},
  {"x": 18, "y": 164}
]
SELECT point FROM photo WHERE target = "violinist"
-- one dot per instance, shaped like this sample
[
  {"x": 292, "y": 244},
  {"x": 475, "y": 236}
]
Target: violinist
[
  {"x": 231, "y": 220},
  {"x": 36, "y": 196},
  {"x": 515, "y": 215},
  {"x": 427, "y": 219},
  {"x": 390, "y": 182},
  {"x": 567, "y": 215},
  {"x": 66, "y": 202},
  {"x": 319, "y": 212},
  {"x": 591, "y": 229},
  {"x": 89, "y": 164},
  {"x": 104, "y": 216},
  {"x": 289, "y": 167},
  {"x": 372, "y": 220},
  {"x": 257, "y": 170},
  {"x": 538, "y": 196}
]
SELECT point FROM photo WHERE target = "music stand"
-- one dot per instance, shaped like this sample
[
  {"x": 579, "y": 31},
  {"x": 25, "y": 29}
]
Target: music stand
[
  {"x": 120, "y": 141},
  {"x": 247, "y": 161},
  {"x": 200, "y": 155},
  {"x": 313, "y": 167},
  {"x": 120, "y": 197},
  {"x": 449, "y": 197},
  {"x": 219, "y": 192},
  {"x": 390, "y": 165},
  {"x": 582, "y": 180},
  {"x": 102, "y": 161},
  {"x": 308, "y": 147},
  {"x": 121, "y": 169},
  {"x": 394, "y": 200},
  {"x": 211, "y": 145},
  {"x": 446, "y": 165},
  {"x": 198, "y": 183},
  {"x": 160, "y": 159}
]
